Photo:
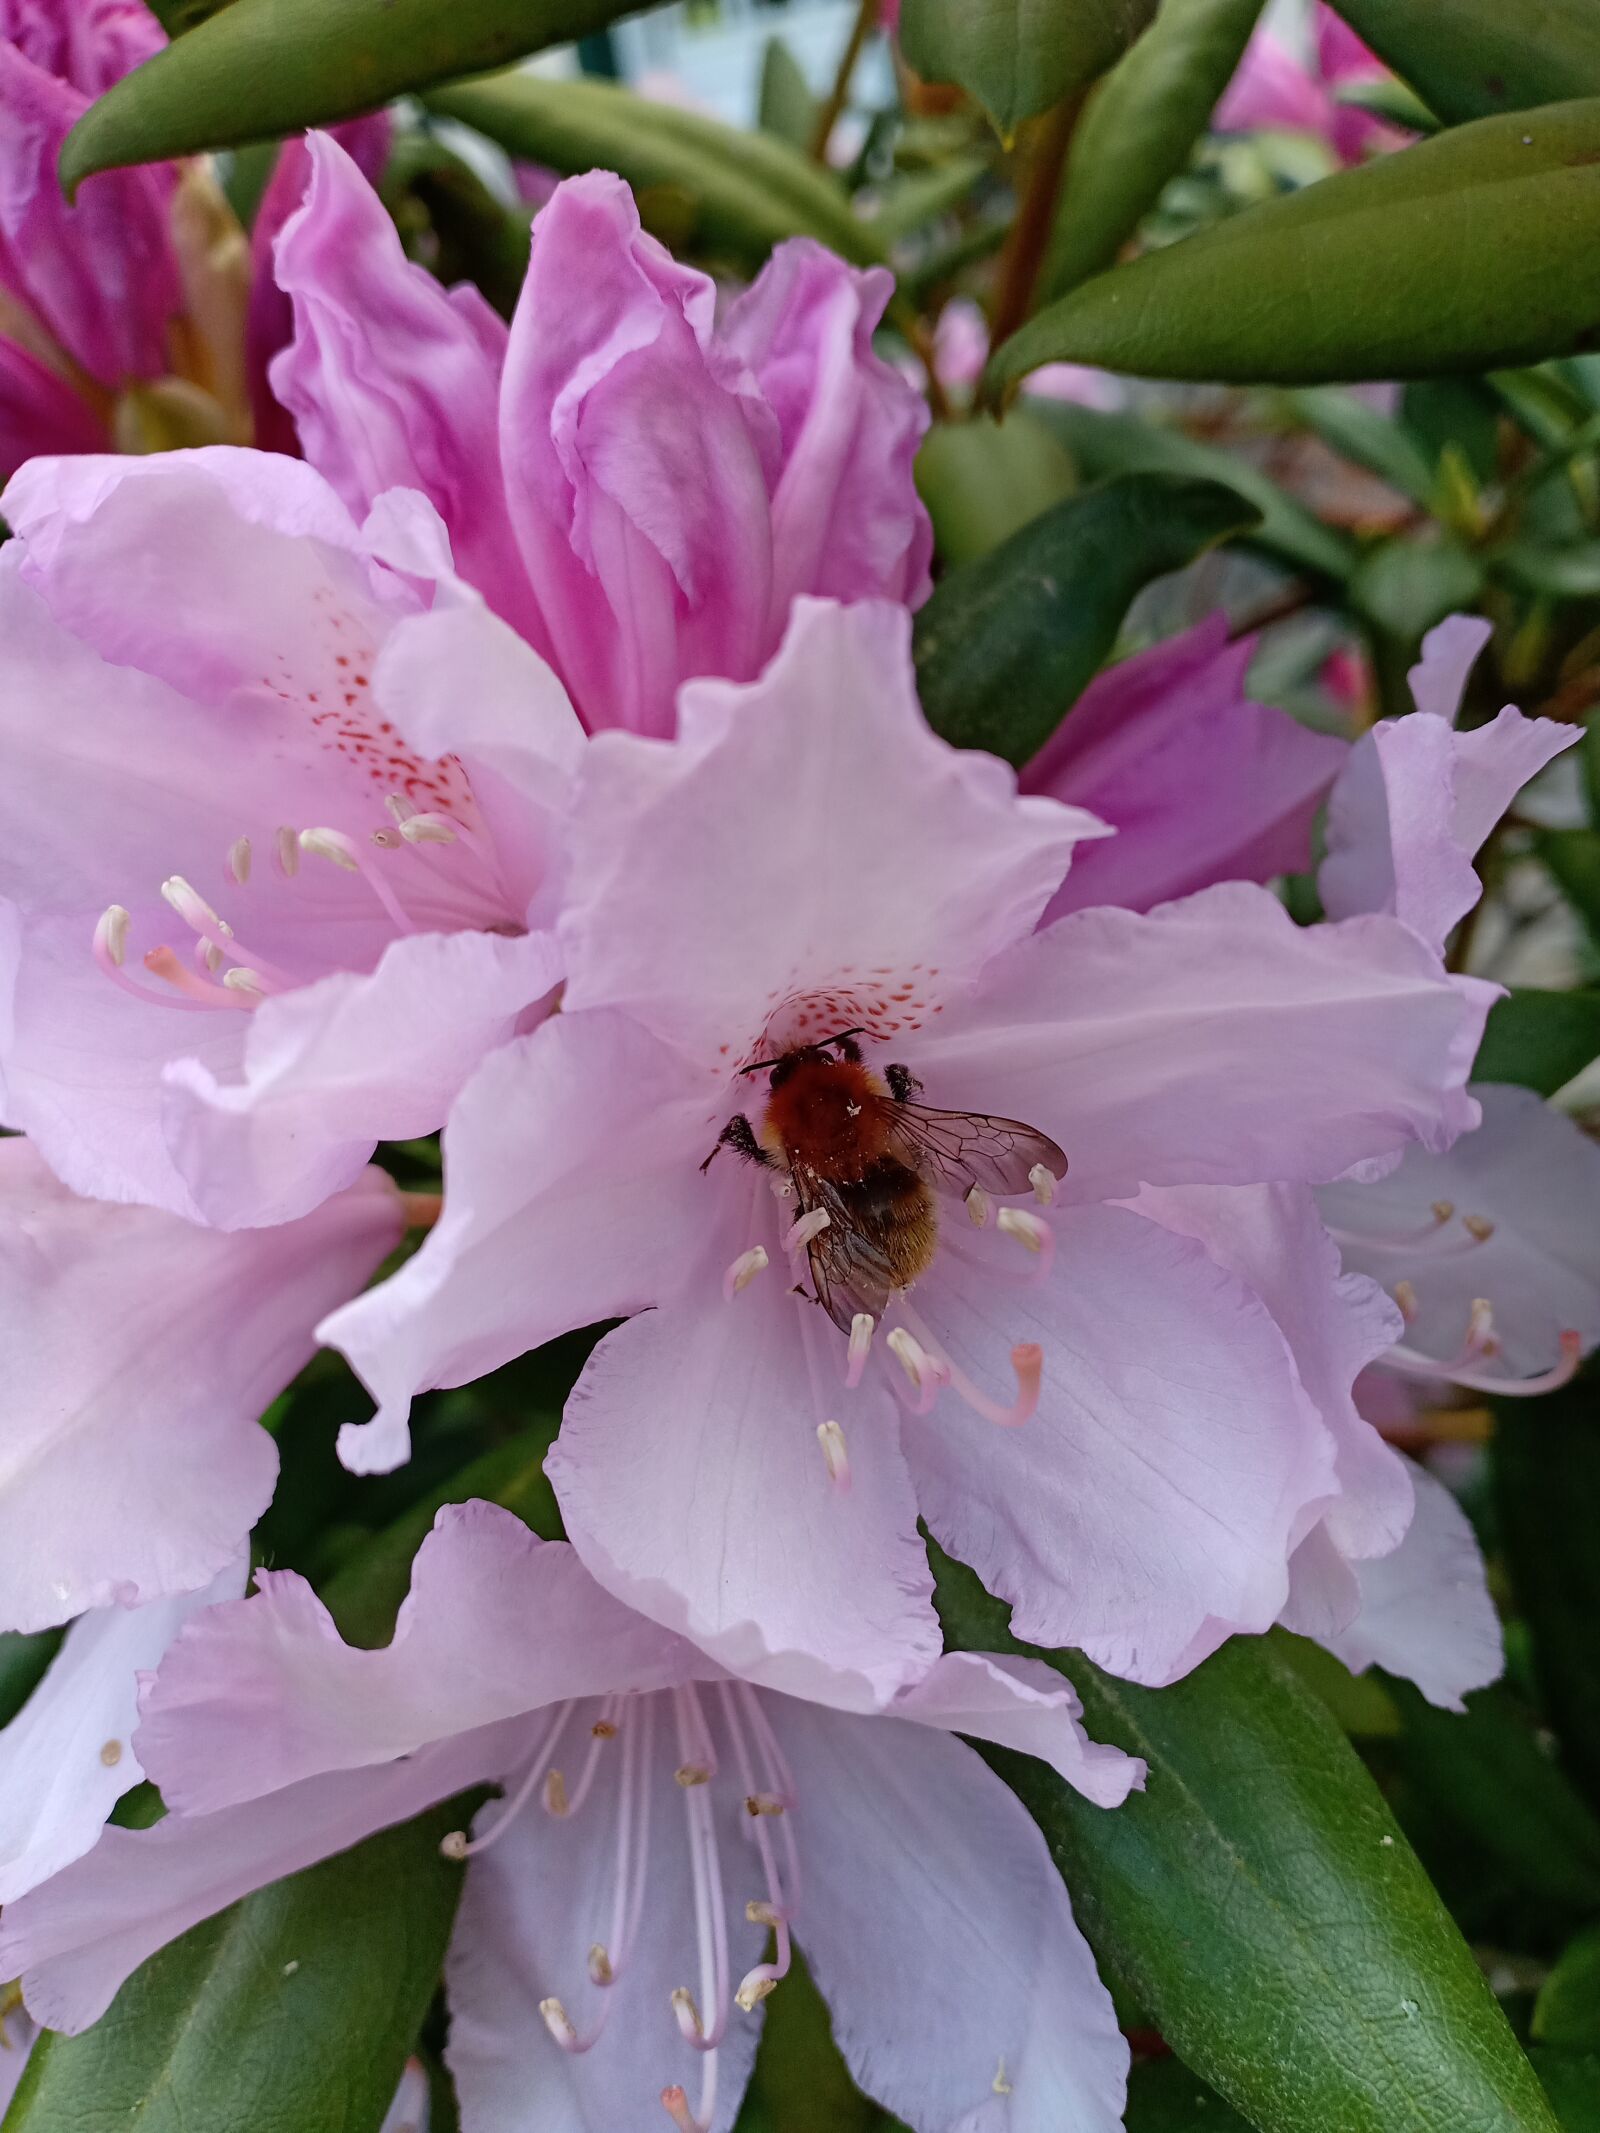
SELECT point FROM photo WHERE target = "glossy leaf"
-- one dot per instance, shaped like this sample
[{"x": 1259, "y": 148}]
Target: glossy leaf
[
  {"x": 1008, "y": 643},
  {"x": 983, "y": 479},
  {"x": 1539, "y": 1039},
  {"x": 1018, "y": 57},
  {"x": 732, "y": 192},
  {"x": 1468, "y": 59},
  {"x": 1567, "y": 2012},
  {"x": 1466, "y": 251},
  {"x": 259, "y": 68},
  {"x": 290, "y": 2012},
  {"x": 1138, "y": 129},
  {"x": 1261, "y": 1900},
  {"x": 1546, "y": 1465}
]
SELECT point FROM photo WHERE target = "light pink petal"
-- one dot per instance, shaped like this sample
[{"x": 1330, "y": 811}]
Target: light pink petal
[
  {"x": 963, "y": 1995},
  {"x": 392, "y": 380},
  {"x": 634, "y": 468},
  {"x": 1148, "y": 1508},
  {"x": 1026, "y": 1705},
  {"x": 1335, "y": 1324},
  {"x": 75, "y": 1940},
  {"x": 265, "y": 1692},
  {"x": 1425, "y": 1612},
  {"x": 1528, "y": 1176},
  {"x": 1213, "y": 1041},
  {"x": 332, "y": 1068},
  {"x": 140, "y": 1351},
  {"x": 536, "y": 1902},
  {"x": 847, "y": 522},
  {"x": 807, "y": 836},
  {"x": 693, "y": 1485},
  {"x": 1324, "y": 1595},
  {"x": 1450, "y": 651},
  {"x": 410, "y": 2111},
  {"x": 66, "y": 1758},
  {"x": 571, "y": 1196},
  {"x": 18, "y": 2035},
  {"x": 1200, "y": 784}
]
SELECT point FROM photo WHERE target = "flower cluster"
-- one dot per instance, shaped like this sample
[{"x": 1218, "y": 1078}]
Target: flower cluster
[{"x": 532, "y": 754}]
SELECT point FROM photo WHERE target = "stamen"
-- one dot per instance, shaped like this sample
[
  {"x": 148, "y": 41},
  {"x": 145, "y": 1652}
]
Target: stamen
[
  {"x": 1478, "y": 1226},
  {"x": 763, "y": 1914},
  {"x": 676, "y": 2105},
  {"x": 754, "y": 1988},
  {"x": 457, "y": 1845},
  {"x": 978, "y": 1207},
  {"x": 688, "y": 2016},
  {"x": 334, "y": 845},
  {"x": 600, "y": 1970},
  {"x": 688, "y": 1774},
  {"x": 762, "y": 1803},
  {"x": 162, "y": 963},
  {"x": 774, "y": 1912},
  {"x": 1405, "y": 1296},
  {"x": 1031, "y": 1231},
  {"x": 1409, "y": 1362},
  {"x": 559, "y": 2024},
  {"x": 555, "y": 1795},
  {"x": 209, "y": 957},
  {"x": 1481, "y": 1337},
  {"x": 111, "y": 935},
  {"x": 1027, "y": 1360},
  {"x": 239, "y": 860},
  {"x": 241, "y": 979},
  {"x": 1044, "y": 1184},
  {"x": 1443, "y": 1210},
  {"x": 861, "y": 1330},
  {"x": 192, "y": 907},
  {"x": 808, "y": 1226},
  {"x": 428, "y": 829},
  {"x": 743, "y": 1271},
  {"x": 399, "y": 806},
  {"x": 835, "y": 1454},
  {"x": 925, "y": 1375},
  {"x": 710, "y": 1905},
  {"x": 287, "y": 851}
]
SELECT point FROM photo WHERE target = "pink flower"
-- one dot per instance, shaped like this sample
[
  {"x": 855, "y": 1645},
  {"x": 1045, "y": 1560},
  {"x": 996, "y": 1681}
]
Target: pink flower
[
  {"x": 610, "y": 1954},
  {"x": 260, "y": 911},
  {"x": 140, "y": 1350},
  {"x": 640, "y": 491},
  {"x": 1273, "y": 88},
  {"x": 809, "y": 859},
  {"x": 1201, "y": 784}
]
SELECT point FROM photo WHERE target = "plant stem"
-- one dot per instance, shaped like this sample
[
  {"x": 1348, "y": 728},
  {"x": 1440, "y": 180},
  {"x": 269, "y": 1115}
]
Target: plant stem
[
  {"x": 828, "y": 116},
  {"x": 1029, "y": 240}
]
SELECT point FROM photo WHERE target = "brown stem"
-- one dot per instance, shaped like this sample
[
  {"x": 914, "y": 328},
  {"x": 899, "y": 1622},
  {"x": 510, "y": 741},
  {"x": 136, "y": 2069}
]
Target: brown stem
[
  {"x": 828, "y": 116},
  {"x": 921, "y": 336},
  {"x": 1029, "y": 237},
  {"x": 421, "y": 1209},
  {"x": 1279, "y": 608}
]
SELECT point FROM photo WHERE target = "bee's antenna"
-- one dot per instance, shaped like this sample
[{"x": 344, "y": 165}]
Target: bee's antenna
[
  {"x": 756, "y": 1065},
  {"x": 839, "y": 1035}
]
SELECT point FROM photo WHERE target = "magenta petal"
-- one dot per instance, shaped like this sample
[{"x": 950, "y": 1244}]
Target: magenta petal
[
  {"x": 1200, "y": 784},
  {"x": 39, "y": 411}
]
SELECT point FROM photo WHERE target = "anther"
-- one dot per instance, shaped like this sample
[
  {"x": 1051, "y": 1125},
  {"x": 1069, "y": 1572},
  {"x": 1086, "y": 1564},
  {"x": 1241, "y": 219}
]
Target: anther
[
  {"x": 1478, "y": 1226},
  {"x": 239, "y": 860},
  {"x": 762, "y": 1803},
  {"x": 601, "y": 1971},
  {"x": 559, "y": 2024},
  {"x": 978, "y": 1207},
  {"x": 287, "y": 850},
  {"x": 111, "y": 1754},
  {"x": 555, "y": 1794},
  {"x": 111, "y": 934},
  {"x": 240, "y": 979},
  {"x": 688, "y": 2015},
  {"x": 192, "y": 907},
  {"x": 676, "y": 2105},
  {"x": 428, "y": 829},
  {"x": 1027, "y": 1228},
  {"x": 754, "y": 1990},
  {"x": 861, "y": 1331},
  {"x": 399, "y": 806},
  {"x": 603, "y": 1729},
  {"x": 1442, "y": 1210},
  {"x": 1044, "y": 1184},
  {"x": 808, "y": 1226},
  {"x": 835, "y": 1454},
  {"x": 1000, "y": 2085},
  {"x": 743, "y": 1271},
  {"x": 331, "y": 844},
  {"x": 760, "y": 1913},
  {"x": 1405, "y": 1296},
  {"x": 925, "y": 1375},
  {"x": 211, "y": 955},
  {"x": 688, "y": 1774},
  {"x": 454, "y": 1846}
]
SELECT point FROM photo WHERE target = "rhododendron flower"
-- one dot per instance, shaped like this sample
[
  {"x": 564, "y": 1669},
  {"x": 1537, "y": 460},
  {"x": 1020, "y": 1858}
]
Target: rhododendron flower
[
  {"x": 807, "y": 860},
  {"x": 669, "y": 1834},
  {"x": 640, "y": 490},
  {"x": 258, "y": 916},
  {"x": 66, "y": 1758},
  {"x": 1275, "y": 88},
  {"x": 1200, "y": 784},
  {"x": 140, "y": 1350}
]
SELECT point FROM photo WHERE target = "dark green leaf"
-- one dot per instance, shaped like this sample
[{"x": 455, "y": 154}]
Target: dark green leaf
[
  {"x": 1567, "y": 2012},
  {"x": 176, "y": 16},
  {"x": 1470, "y": 250},
  {"x": 23, "y": 1662},
  {"x": 907, "y": 202},
  {"x": 1138, "y": 129},
  {"x": 1018, "y": 57},
  {"x": 1164, "y": 2097},
  {"x": 787, "y": 107},
  {"x": 1572, "y": 2082},
  {"x": 983, "y": 479},
  {"x": 1441, "y": 412},
  {"x": 1262, "y": 1902},
  {"x": 1128, "y": 444},
  {"x": 1467, "y": 59},
  {"x": 1539, "y": 1039},
  {"x": 800, "y": 2083},
  {"x": 1361, "y": 434},
  {"x": 1406, "y": 586},
  {"x": 260, "y": 68},
  {"x": 1546, "y": 1464},
  {"x": 1573, "y": 857},
  {"x": 1008, "y": 643},
  {"x": 291, "y": 2012},
  {"x": 733, "y": 192}
]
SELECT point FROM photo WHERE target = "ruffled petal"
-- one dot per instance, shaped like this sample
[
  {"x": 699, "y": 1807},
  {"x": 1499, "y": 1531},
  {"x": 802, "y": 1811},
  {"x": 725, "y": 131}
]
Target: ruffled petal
[{"x": 1026, "y": 1705}]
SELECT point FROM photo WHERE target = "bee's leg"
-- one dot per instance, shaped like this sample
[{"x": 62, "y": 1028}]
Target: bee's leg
[
  {"x": 739, "y": 1135},
  {"x": 903, "y": 1084}
]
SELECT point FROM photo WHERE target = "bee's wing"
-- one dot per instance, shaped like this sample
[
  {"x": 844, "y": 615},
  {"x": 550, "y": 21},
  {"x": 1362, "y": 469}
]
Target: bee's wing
[
  {"x": 960, "y": 1149},
  {"x": 848, "y": 1270}
]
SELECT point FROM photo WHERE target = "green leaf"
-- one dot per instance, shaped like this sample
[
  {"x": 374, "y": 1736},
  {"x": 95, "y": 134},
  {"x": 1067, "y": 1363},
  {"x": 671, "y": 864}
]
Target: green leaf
[
  {"x": 1406, "y": 586},
  {"x": 1018, "y": 57},
  {"x": 1572, "y": 2082},
  {"x": 1164, "y": 2097},
  {"x": 1545, "y": 1459},
  {"x": 1573, "y": 857},
  {"x": 907, "y": 202},
  {"x": 1468, "y": 59},
  {"x": 1539, "y": 1039},
  {"x": 983, "y": 479},
  {"x": 786, "y": 108},
  {"x": 1371, "y": 440},
  {"x": 1137, "y": 131},
  {"x": 259, "y": 68},
  {"x": 1567, "y": 2011},
  {"x": 1470, "y": 250},
  {"x": 290, "y": 2012},
  {"x": 1008, "y": 643},
  {"x": 23, "y": 1664},
  {"x": 1129, "y": 444},
  {"x": 1260, "y": 1899},
  {"x": 732, "y": 192},
  {"x": 176, "y": 16}
]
